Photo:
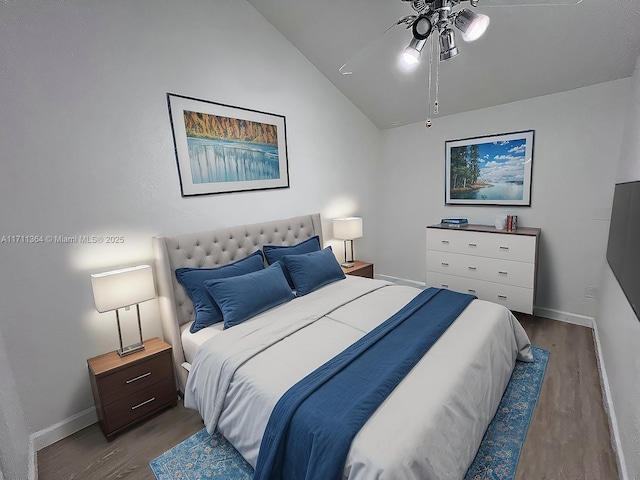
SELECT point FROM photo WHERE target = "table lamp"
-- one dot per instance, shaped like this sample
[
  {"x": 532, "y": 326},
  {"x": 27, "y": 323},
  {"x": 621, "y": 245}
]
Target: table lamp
[
  {"x": 347, "y": 229},
  {"x": 122, "y": 289}
]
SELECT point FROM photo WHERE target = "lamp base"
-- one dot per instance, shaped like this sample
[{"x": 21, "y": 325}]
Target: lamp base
[
  {"x": 347, "y": 264},
  {"x": 136, "y": 347}
]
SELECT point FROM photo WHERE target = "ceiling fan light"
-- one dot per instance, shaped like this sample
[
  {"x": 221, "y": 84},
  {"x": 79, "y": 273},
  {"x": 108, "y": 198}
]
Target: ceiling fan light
[
  {"x": 448, "y": 47},
  {"x": 471, "y": 24},
  {"x": 422, "y": 27},
  {"x": 411, "y": 54}
]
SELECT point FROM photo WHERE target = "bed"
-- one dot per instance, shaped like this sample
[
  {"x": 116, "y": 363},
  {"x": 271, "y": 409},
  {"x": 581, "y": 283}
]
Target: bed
[{"x": 429, "y": 427}]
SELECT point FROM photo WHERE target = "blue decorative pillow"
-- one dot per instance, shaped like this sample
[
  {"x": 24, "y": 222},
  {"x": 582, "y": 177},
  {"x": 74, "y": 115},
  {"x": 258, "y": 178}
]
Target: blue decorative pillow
[
  {"x": 245, "y": 296},
  {"x": 313, "y": 270},
  {"x": 273, "y": 253},
  {"x": 192, "y": 279}
]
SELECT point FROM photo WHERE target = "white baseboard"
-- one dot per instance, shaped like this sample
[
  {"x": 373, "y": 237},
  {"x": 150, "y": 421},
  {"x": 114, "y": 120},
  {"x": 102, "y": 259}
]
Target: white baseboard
[
  {"x": 58, "y": 431},
  {"x": 64, "y": 428},
  {"x": 608, "y": 405},
  {"x": 567, "y": 317}
]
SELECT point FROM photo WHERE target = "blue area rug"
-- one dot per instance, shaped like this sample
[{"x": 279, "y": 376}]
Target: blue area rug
[
  {"x": 497, "y": 457},
  {"x": 203, "y": 456}
]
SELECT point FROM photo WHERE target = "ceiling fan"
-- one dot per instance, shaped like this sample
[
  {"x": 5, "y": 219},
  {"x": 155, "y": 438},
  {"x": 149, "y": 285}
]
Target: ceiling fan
[{"x": 435, "y": 21}]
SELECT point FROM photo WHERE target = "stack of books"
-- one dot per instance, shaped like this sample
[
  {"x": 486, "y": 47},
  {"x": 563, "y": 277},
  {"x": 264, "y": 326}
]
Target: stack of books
[{"x": 454, "y": 222}]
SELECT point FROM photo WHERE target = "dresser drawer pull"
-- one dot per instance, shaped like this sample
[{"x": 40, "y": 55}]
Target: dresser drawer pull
[
  {"x": 445, "y": 242},
  {"x": 143, "y": 403},
  {"x": 444, "y": 285},
  {"x": 504, "y": 297},
  {"x": 504, "y": 248},
  {"x": 445, "y": 264},
  {"x": 471, "y": 290},
  {"x": 503, "y": 273},
  {"x": 138, "y": 378},
  {"x": 472, "y": 268},
  {"x": 473, "y": 245}
]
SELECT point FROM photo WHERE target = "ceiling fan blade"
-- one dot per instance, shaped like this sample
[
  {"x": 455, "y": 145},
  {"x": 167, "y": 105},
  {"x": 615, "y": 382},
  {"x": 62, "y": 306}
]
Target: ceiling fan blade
[
  {"x": 525, "y": 3},
  {"x": 393, "y": 38}
]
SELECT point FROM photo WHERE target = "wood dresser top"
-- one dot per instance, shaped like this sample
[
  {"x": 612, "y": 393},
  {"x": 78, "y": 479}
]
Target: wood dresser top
[{"x": 529, "y": 231}]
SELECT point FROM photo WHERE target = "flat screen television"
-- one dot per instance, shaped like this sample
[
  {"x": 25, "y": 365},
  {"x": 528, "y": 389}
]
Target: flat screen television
[{"x": 623, "y": 248}]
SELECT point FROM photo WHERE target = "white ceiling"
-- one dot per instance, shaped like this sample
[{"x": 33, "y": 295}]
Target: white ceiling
[{"x": 526, "y": 52}]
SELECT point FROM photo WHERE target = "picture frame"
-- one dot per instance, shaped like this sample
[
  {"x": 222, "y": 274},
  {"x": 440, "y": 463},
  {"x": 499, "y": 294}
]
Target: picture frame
[
  {"x": 226, "y": 149},
  {"x": 490, "y": 169}
]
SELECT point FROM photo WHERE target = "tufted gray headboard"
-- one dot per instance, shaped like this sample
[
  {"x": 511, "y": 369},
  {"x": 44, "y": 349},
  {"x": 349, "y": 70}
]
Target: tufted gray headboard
[{"x": 212, "y": 249}]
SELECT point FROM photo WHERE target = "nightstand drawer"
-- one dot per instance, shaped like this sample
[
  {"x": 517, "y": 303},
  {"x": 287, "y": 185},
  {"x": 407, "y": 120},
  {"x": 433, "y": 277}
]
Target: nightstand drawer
[
  {"x": 366, "y": 271},
  {"x": 130, "y": 388},
  {"x": 359, "y": 269},
  {"x": 134, "y": 407},
  {"x": 135, "y": 378}
]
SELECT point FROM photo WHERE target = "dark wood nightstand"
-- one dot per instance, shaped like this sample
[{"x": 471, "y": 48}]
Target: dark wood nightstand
[
  {"x": 360, "y": 269},
  {"x": 129, "y": 389}
]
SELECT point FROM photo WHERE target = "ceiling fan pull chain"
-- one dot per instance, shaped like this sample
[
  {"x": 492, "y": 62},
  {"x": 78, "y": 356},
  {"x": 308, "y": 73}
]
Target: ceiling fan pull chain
[
  {"x": 428, "y": 125},
  {"x": 435, "y": 104}
]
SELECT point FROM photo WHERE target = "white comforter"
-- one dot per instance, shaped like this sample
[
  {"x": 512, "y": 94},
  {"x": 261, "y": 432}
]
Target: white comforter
[{"x": 431, "y": 425}]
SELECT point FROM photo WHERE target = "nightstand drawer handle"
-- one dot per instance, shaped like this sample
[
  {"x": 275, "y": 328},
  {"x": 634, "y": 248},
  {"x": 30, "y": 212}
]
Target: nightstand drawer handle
[
  {"x": 503, "y": 273},
  {"x": 143, "y": 403},
  {"x": 504, "y": 248},
  {"x": 444, "y": 285},
  {"x": 504, "y": 297},
  {"x": 445, "y": 264},
  {"x": 471, "y": 290},
  {"x": 445, "y": 242},
  {"x": 473, "y": 245},
  {"x": 138, "y": 377},
  {"x": 472, "y": 268}
]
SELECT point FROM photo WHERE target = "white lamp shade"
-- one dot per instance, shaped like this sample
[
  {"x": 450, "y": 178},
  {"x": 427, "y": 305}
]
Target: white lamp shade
[
  {"x": 122, "y": 288},
  {"x": 347, "y": 228}
]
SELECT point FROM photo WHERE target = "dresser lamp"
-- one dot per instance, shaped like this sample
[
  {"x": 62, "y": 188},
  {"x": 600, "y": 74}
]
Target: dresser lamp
[
  {"x": 347, "y": 229},
  {"x": 122, "y": 289}
]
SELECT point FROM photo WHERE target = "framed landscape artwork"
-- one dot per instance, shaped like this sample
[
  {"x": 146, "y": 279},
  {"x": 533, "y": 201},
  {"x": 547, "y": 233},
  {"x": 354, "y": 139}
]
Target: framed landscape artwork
[
  {"x": 224, "y": 149},
  {"x": 489, "y": 170}
]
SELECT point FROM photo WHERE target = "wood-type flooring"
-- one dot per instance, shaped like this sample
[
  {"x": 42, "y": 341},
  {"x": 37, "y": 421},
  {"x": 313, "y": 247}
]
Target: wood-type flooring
[{"x": 568, "y": 439}]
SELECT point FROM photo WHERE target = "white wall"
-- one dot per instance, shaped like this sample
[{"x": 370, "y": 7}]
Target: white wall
[
  {"x": 14, "y": 441},
  {"x": 87, "y": 148},
  {"x": 577, "y": 138},
  {"x": 618, "y": 327}
]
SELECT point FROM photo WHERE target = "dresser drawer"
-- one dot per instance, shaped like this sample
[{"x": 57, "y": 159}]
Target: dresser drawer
[
  {"x": 482, "y": 268},
  {"x": 135, "y": 378},
  {"x": 521, "y": 248},
  {"x": 133, "y": 407},
  {"x": 514, "y": 298}
]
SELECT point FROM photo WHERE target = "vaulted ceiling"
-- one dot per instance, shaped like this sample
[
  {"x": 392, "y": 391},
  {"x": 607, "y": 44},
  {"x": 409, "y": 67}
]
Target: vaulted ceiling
[{"x": 526, "y": 52}]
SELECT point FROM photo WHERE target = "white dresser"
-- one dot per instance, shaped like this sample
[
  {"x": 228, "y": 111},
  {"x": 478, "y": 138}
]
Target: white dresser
[{"x": 492, "y": 264}]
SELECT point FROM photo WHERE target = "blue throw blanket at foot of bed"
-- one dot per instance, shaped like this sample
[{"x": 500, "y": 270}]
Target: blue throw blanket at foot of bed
[{"x": 310, "y": 430}]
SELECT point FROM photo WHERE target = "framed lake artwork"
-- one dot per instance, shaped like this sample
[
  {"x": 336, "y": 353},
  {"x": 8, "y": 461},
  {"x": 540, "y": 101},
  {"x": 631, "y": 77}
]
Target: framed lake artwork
[
  {"x": 223, "y": 149},
  {"x": 489, "y": 170}
]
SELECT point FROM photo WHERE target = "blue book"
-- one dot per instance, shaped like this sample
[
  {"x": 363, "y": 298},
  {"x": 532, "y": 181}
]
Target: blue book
[{"x": 455, "y": 221}]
